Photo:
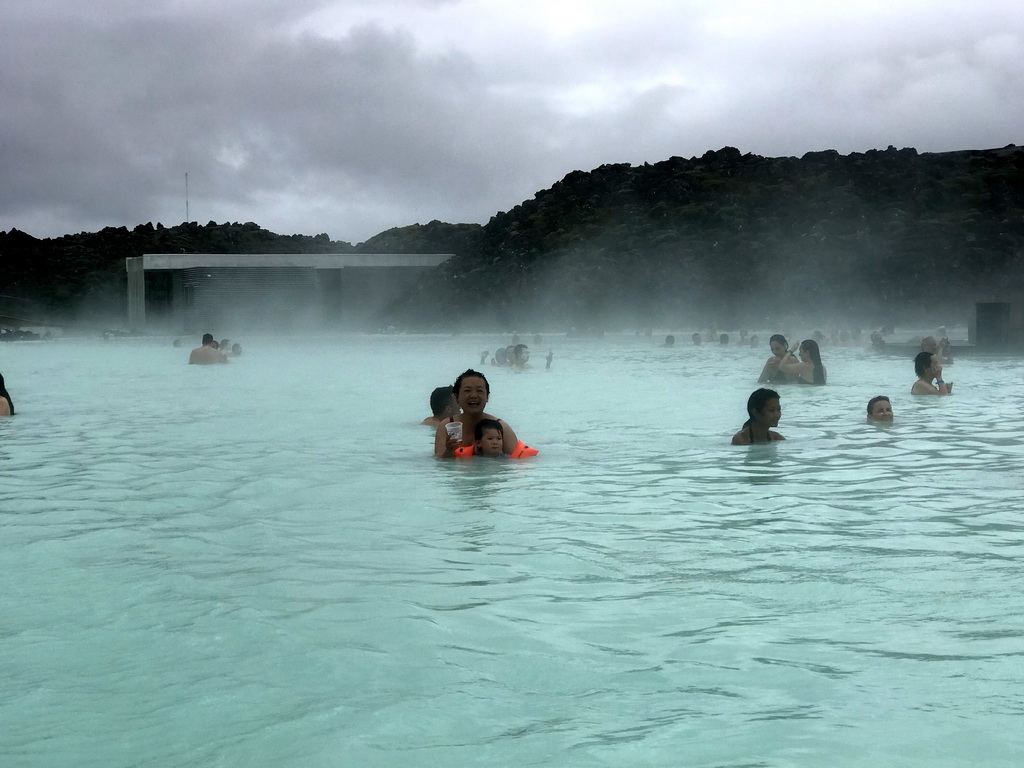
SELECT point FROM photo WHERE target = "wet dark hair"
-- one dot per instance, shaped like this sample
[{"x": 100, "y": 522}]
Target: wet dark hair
[
  {"x": 478, "y": 430},
  {"x": 815, "y": 354},
  {"x": 519, "y": 350},
  {"x": 779, "y": 338},
  {"x": 470, "y": 373},
  {"x": 922, "y": 362},
  {"x": 757, "y": 401},
  {"x": 439, "y": 400},
  {"x": 207, "y": 338},
  {"x": 877, "y": 399},
  {"x": 5, "y": 396}
]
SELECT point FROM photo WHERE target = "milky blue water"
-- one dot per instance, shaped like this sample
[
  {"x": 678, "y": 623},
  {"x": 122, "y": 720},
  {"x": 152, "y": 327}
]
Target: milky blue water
[{"x": 261, "y": 564}]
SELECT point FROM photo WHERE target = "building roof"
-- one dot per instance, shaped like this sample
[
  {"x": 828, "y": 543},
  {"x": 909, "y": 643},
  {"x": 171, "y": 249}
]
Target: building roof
[{"x": 314, "y": 260}]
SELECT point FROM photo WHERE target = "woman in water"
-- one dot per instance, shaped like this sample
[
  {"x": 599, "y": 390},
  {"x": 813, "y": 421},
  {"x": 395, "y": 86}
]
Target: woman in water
[
  {"x": 472, "y": 391},
  {"x": 771, "y": 374},
  {"x": 764, "y": 410},
  {"x": 807, "y": 369},
  {"x": 6, "y": 406},
  {"x": 928, "y": 368}
]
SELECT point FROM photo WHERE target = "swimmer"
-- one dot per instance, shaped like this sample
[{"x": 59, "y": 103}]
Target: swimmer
[
  {"x": 6, "y": 404},
  {"x": 771, "y": 374},
  {"x": 879, "y": 409},
  {"x": 807, "y": 369},
  {"x": 928, "y": 368},
  {"x": 442, "y": 405},
  {"x": 548, "y": 359},
  {"x": 695, "y": 338},
  {"x": 764, "y": 410},
  {"x": 472, "y": 392},
  {"x": 207, "y": 354},
  {"x": 236, "y": 350},
  {"x": 670, "y": 341},
  {"x": 521, "y": 357},
  {"x": 499, "y": 357},
  {"x": 489, "y": 438}
]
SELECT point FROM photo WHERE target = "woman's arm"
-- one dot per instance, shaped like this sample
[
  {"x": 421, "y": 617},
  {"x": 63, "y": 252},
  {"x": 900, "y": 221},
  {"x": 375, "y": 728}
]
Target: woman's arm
[
  {"x": 769, "y": 370},
  {"x": 791, "y": 365},
  {"x": 509, "y": 439},
  {"x": 445, "y": 444}
]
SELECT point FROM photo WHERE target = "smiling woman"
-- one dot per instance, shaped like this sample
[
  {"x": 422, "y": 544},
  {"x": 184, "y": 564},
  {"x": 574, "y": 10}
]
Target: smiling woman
[{"x": 472, "y": 391}]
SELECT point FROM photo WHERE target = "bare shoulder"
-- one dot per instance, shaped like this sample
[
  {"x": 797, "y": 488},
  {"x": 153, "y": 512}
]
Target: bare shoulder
[
  {"x": 741, "y": 438},
  {"x": 775, "y": 436}
]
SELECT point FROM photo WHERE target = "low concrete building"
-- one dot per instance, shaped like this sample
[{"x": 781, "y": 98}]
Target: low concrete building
[{"x": 195, "y": 292}]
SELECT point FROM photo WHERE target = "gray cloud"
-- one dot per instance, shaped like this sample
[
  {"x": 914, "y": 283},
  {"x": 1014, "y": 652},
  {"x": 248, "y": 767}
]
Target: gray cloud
[{"x": 353, "y": 117}]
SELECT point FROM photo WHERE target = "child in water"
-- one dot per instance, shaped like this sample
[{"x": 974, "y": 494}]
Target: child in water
[
  {"x": 489, "y": 437},
  {"x": 488, "y": 440}
]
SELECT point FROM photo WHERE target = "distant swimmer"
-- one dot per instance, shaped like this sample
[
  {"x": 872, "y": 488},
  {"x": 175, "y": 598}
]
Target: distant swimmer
[
  {"x": 928, "y": 368},
  {"x": 548, "y": 359},
  {"x": 807, "y": 368},
  {"x": 520, "y": 357},
  {"x": 670, "y": 341},
  {"x": 771, "y": 373},
  {"x": 6, "y": 404},
  {"x": 879, "y": 409},
  {"x": 207, "y": 354},
  {"x": 696, "y": 339},
  {"x": 764, "y": 411},
  {"x": 472, "y": 392},
  {"x": 442, "y": 405},
  {"x": 236, "y": 350}
]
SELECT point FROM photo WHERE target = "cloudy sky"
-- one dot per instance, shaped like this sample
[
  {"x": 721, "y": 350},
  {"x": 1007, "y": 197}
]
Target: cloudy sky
[{"x": 352, "y": 116}]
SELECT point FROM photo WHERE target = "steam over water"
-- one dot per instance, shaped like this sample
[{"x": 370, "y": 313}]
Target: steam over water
[{"x": 260, "y": 564}]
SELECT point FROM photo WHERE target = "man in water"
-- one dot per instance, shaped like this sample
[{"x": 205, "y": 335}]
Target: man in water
[
  {"x": 443, "y": 406},
  {"x": 207, "y": 354},
  {"x": 879, "y": 409}
]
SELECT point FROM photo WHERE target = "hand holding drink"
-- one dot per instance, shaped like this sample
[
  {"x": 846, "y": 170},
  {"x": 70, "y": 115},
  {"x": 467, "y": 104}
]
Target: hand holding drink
[{"x": 454, "y": 430}]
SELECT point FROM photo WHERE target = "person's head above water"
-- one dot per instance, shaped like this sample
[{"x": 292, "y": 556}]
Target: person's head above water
[
  {"x": 472, "y": 391},
  {"x": 4, "y": 394},
  {"x": 670, "y": 341},
  {"x": 521, "y": 353},
  {"x": 696, "y": 339},
  {"x": 763, "y": 407},
  {"x": 809, "y": 352},
  {"x": 778, "y": 344},
  {"x": 489, "y": 437},
  {"x": 924, "y": 363},
  {"x": 207, "y": 339},
  {"x": 879, "y": 408},
  {"x": 442, "y": 402}
]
